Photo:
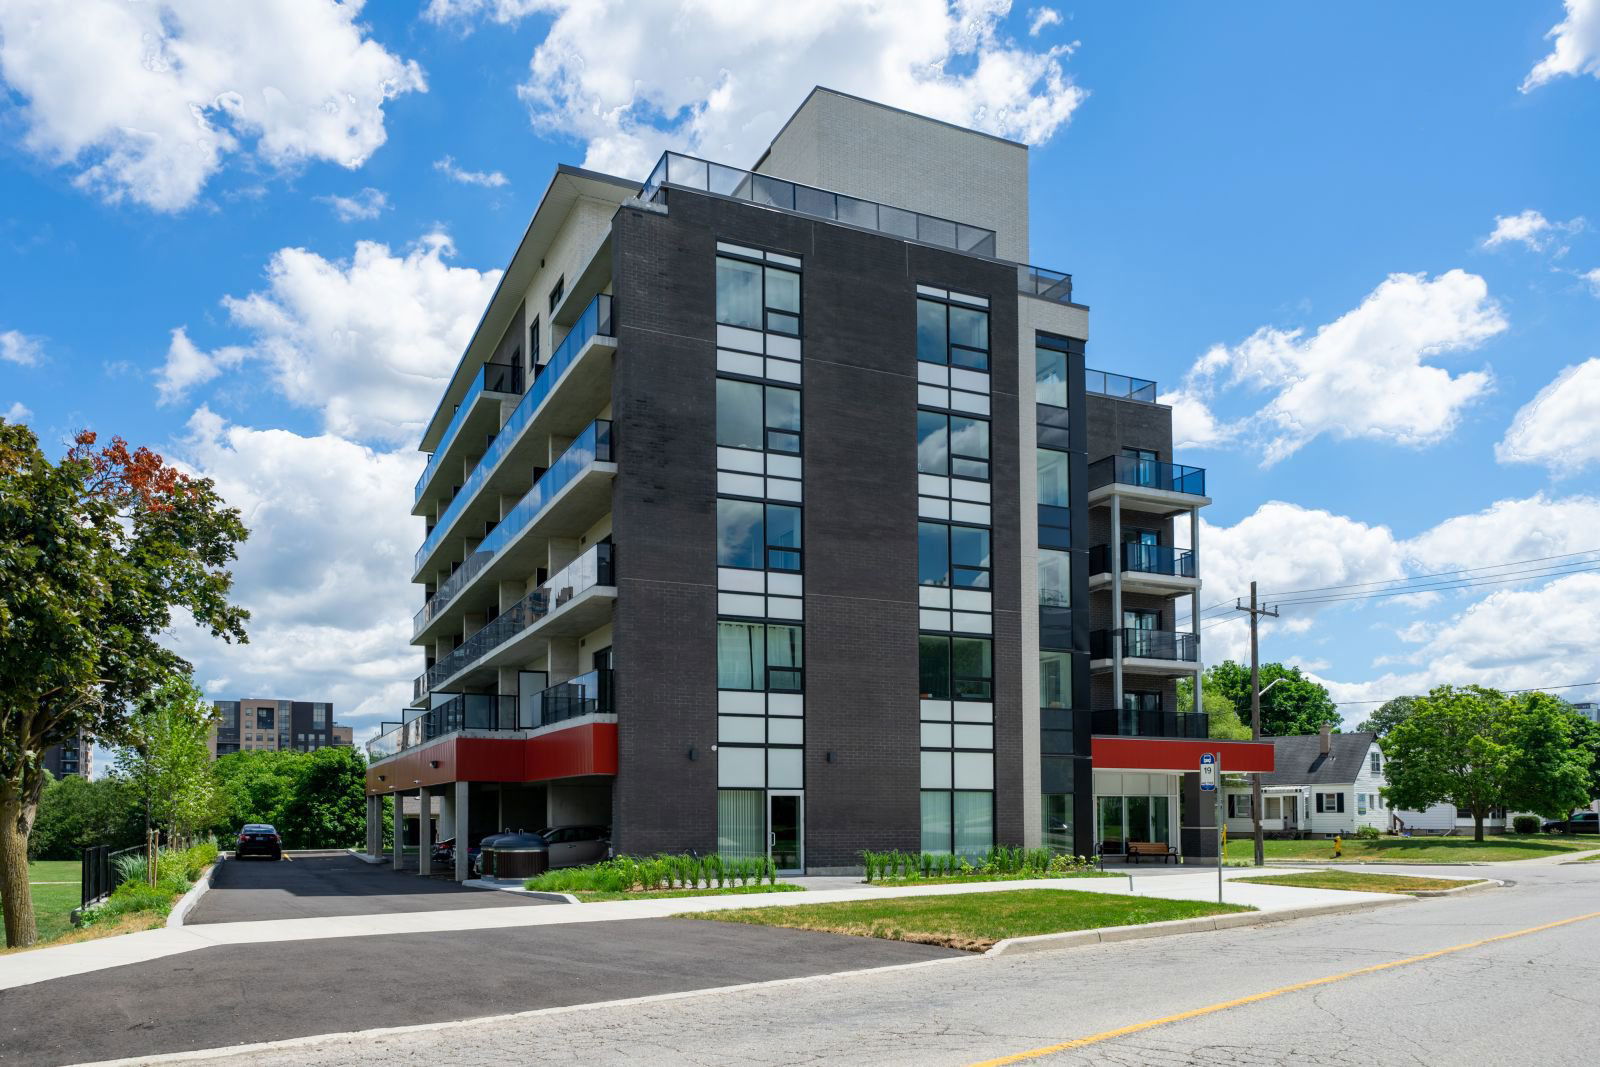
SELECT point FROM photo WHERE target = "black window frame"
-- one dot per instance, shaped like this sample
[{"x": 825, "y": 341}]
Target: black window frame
[
  {"x": 768, "y": 549},
  {"x": 768, "y": 309},
  {"x": 950, "y": 346}
]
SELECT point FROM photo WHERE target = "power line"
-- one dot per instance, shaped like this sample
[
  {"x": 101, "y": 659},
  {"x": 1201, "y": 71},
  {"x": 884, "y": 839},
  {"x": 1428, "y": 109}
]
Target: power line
[{"x": 1535, "y": 689}]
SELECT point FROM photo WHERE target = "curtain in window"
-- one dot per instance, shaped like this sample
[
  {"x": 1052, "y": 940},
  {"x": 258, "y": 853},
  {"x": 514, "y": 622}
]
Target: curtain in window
[
  {"x": 741, "y": 656},
  {"x": 741, "y": 824},
  {"x": 974, "y": 823}
]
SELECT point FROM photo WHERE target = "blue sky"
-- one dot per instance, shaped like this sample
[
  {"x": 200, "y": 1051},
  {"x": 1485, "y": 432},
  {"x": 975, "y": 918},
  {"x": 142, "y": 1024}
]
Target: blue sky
[{"x": 1353, "y": 243}]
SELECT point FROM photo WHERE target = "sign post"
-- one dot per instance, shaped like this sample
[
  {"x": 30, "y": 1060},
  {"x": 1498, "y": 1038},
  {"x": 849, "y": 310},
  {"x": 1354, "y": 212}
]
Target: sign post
[{"x": 1210, "y": 772}]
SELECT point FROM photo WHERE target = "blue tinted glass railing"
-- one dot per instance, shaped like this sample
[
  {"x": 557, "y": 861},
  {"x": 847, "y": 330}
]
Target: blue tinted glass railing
[
  {"x": 596, "y": 320},
  {"x": 491, "y": 377},
  {"x": 1119, "y": 385},
  {"x": 676, "y": 169},
  {"x": 1147, "y": 474},
  {"x": 593, "y": 444},
  {"x": 1044, "y": 284}
]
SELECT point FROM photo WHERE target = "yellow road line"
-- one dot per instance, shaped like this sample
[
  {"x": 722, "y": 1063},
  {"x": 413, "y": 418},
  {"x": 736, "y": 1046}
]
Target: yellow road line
[{"x": 1150, "y": 1024}]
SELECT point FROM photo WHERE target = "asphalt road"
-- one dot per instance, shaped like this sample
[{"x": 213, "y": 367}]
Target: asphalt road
[
  {"x": 1530, "y": 999},
  {"x": 329, "y": 885}
]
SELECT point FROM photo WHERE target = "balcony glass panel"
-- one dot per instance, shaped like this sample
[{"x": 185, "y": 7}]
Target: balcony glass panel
[
  {"x": 1147, "y": 474},
  {"x": 491, "y": 377}
]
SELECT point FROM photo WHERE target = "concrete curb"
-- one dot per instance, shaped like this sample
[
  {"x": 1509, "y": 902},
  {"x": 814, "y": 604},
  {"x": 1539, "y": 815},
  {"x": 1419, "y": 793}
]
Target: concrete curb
[
  {"x": 186, "y": 903},
  {"x": 1013, "y": 946}
]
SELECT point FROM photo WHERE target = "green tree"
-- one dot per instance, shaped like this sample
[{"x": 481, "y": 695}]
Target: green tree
[
  {"x": 1388, "y": 716},
  {"x": 98, "y": 551},
  {"x": 1296, "y": 705},
  {"x": 1224, "y": 723},
  {"x": 167, "y": 755},
  {"x": 1480, "y": 750}
]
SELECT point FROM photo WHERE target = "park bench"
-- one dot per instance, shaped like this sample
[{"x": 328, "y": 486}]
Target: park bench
[{"x": 1153, "y": 849}]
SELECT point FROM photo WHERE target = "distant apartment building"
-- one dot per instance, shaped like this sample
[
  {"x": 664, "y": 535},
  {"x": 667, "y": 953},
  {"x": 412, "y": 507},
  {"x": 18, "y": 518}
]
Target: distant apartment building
[
  {"x": 70, "y": 757},
  {"x": 271, "y": 725}
]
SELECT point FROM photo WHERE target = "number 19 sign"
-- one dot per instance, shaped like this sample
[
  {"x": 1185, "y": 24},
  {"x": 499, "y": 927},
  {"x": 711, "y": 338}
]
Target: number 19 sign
[{"x": 1208, "y": 772}]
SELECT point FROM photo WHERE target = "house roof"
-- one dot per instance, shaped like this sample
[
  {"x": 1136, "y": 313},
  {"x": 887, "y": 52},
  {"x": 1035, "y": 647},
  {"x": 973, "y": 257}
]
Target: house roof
[{"x": 1300, "y": 760}]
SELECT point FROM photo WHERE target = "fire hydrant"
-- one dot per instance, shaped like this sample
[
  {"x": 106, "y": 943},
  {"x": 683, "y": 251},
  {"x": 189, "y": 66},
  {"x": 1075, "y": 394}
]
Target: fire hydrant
[{"x": 1338, "y": 846}]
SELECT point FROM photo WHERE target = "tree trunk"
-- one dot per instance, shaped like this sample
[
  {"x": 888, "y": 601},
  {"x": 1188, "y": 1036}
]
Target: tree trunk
[
  {"x": 16, "y": 820},
  {"x": 1477, "y": 826}
]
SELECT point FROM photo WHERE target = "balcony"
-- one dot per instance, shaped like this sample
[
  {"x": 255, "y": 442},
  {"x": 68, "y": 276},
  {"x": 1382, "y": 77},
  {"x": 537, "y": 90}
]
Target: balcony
[
  {"x": 557, "y": 608},
  {"x": 1140, "y": 723},
  {"x": 1145, "y": 651},
  {"x": 1158, "y": 569},
  {"x": 587, "y": 694},
  {"x": 1045, "y": 284},
  {"x": 1120, "y": 386},
  {"x": 591, "y": 393},
  {"x": 690, "y": 173},
  {"x": 495, "y": 381},
  {"x": 1153, "y": 486},
  {"x": 566, "y": 494}
]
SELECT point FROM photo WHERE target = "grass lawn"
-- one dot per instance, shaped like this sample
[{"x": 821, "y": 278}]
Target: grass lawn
[
  {"x": 1361, "y": 882},
  {"x": 587, "y": 895},
  {"x": 1494, "y": 848},
  {"x": 973, "y": 921}
]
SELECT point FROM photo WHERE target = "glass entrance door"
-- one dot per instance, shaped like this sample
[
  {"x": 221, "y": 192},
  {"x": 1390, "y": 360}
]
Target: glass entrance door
[{"x": 786, "y": 831}]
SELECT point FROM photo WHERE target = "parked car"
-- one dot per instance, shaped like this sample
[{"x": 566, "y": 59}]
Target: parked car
[
  {"x": 258, "y": 839},
  {"x": 574, "y": 846},
  {"x": 1582, "y": 822},
  {"x": 444, "y": 854}
]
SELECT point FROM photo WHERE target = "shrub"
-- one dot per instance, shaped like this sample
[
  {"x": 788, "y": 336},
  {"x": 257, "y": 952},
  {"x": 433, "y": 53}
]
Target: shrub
[
  {"x": 1368, "y": 833},
  {"x": 1526, "y": 824}
]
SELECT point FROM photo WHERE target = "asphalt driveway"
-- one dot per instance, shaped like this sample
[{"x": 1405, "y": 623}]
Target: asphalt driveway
[{"x": 333, "y": 884}]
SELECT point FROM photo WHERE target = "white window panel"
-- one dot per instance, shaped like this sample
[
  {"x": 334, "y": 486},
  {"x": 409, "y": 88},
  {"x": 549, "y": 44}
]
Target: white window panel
[
  {"x": 741, "y": 767},
  {"x": 936, "y": 770},
  {"x": 786, "y": 607},
  {"x": 928, "y": 290},
  {"x": 739, "y": 484},
  {"x": 936, "y": 709},
  {"x": 933, "y": 596},
  {"x": 787, "y": 261},
  {"x": 739, "y": 250},
  {"x": 741, "y": 604},
  {"x": 972, "y": 381},
  {"x": 933, "y": 485},
  {"x": 973, "y": 711},
  {"x": 785, "y": 768},
  {"x": 783, "y": 466},
  {"x": 786, "y": 731},
  {"x": 783, "y": 370},
  {"x": 782, "y": 583},
  {"x": 968, "y": 298},
  {"x": 741, "y": 339},
  {"x": 974, "y": 770},
  {"x": 786, "y": 704},
  {"x": 933, "y": 396},
  {"x": 970, "y": 622},
  {"x": 969, "y": 402},
  {"x": 929, "y": 619},
  {"x": 785, "y": 489},
  {"x": 739, "y": 363},
  {"x": 739, "y": 459},
  {"x": 929, "y": 507},
  {"x": 733, "y": 702},
  {"x": 966, "y": 489},
  {"x": 734, "y": 580},
  {"x": 972, "y": 735},
  {"x": 971, "y": 600},
  {"x": 933, "y": 374},
  {"x": 783, "y": 346},
  {"x": 741, "y": 728},
  {"x": 935, "y": 735},
  {"x": 975, "y": 513}
]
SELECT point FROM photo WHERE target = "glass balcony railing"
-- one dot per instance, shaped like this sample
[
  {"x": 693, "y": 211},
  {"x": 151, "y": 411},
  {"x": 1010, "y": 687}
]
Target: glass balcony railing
[
  {"x": 591, "y": 446},
  {"x": 1131, "y": 722},
  {"x": 691, "y": 173},
  {"x": 1044, "y": 284},
  {"x": 1147, "y": 474},
  {"x": 587, "y": 694},
  {"x": 491, "y": 378},
  {"x": 596, "y": 321},
  {"x": 592, "y": 568},
  {"x": 1145, "y": 644},
  {"x": 1121, "y": 386},
  {"x": 1145, "y": 559}
]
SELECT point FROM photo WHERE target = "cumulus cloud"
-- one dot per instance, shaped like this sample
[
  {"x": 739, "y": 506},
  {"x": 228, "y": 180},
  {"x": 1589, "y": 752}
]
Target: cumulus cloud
[
  {"x": 1533, "y": 231},
  {"x": 490, "y": 180},
  {"x": 369, "y": 203},
  {"x": 1362, "y": 375},
  {"x": 17, "y": 413},
  {"x": 1557, "y": 427},
  {"x": 186, "y": 366},
  {"x": 1577, "y": 46},
  {"x": 17, "y": 347},
  {"x": 717, "y": 78},
  {"x": 180, "y": 85}
]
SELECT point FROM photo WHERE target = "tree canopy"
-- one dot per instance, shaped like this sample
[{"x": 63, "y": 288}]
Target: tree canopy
[{"x": 1296, "y": 705}]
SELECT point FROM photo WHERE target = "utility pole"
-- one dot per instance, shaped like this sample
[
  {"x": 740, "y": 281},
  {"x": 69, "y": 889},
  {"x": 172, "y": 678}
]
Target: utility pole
[{"x": 1256, "y": 612}]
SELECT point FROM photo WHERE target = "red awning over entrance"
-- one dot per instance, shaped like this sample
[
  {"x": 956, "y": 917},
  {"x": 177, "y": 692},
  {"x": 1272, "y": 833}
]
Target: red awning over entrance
[{"x": 1168, "y": 754}]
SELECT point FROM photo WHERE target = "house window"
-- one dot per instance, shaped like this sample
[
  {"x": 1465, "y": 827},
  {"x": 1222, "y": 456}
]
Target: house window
[
  {"x": 955, "y": 556},
  {"x": 959, "y": 668},
  {"x": 952, "y": 445},
  {"x": 1330, "y": 803},
  {"x": 1238, "y": 805},
  {"x": 757, "y": 536},
  {"x": 760, "y": 657},
  {"x": 948, "y": 333},
  {"x": 757, "y": 297},
  {"x": 556, "y": 292},
  {"x": 761, "y": 417}
]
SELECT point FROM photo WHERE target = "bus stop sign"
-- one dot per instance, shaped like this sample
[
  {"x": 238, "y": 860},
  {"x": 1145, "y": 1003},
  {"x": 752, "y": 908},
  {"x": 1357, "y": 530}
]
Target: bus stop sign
[{"x": 1208, "y": 772}]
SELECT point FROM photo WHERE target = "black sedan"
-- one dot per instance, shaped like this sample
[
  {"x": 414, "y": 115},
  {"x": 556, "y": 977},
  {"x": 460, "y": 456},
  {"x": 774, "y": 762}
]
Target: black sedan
[
  {"x": 258, "y": 839},
  {"x": 1582, "y": 822}
]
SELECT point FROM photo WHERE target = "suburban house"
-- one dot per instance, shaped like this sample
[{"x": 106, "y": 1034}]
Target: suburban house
[{"x": 1324, "y": 784}]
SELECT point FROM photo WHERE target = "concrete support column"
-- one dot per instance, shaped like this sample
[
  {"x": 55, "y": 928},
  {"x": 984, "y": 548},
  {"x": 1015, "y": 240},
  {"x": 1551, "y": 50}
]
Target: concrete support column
[
  {"x": 1116, "y": 603},
  {"x": 462, "y": 842},
  {"x": 425, "y": 831},
  {"x": 399, "y": 828}
]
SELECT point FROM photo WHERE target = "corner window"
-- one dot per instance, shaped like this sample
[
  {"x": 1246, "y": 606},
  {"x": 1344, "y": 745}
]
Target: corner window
[
  {"x": 951, "y": 334},
  {"x": 760, "y": 657},
  {"x": 757, "y": 536},
  {"x": 757, "y": 297},
  {"x": 760, "y": 417},
  {"x": 952, "y": 445}
]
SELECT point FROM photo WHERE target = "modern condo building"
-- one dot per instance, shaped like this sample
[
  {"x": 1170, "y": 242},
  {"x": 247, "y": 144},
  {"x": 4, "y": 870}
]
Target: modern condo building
[{"x": 775, "y": 511}]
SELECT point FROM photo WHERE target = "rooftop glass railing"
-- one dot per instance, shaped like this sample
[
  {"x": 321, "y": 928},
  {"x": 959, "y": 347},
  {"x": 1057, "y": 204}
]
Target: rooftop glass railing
[
  {"x": 596, "y": 321},
  {"x": 491, "y": 378},
  {"x": 1044, "y": 284},
  {"x": 1119, "y": 385},
  {"x": 1147, "y": 474},
  {"x": 590, "y": 446},
  {"x": 690, "y": 173}
]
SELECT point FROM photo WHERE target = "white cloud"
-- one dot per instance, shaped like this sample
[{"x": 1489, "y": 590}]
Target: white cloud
[
  {"x": 489, "y": 180},
  {"x": 1040, "y": 17},
  {"x": 1533, "y": 231},
  {"x": 717, "y": 79},
  {"x": 17, "y": 413},
  {"x": 18, "y": 347},
  {"x": 187, "y": 366},
  {"x": 1508, "y": 531},
  {"x": 179, "y": 85},
  {"x": 369, "y": 203},
  {"x": 1363, "y": 375},
  {"x": 1577, "y": 47},
  {"x": 1194, "y": 424},
  {"x": 1557, "y": 427}
]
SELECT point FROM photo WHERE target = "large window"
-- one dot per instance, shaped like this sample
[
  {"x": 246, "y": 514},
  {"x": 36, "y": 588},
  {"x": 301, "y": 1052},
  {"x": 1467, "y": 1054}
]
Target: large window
[
  {"x": 955, "y": 556},
  {"x": 955, "y": 668},
  {"x": 757, "y": 297},
  {"x": 762, "y": 417},
  {"x": 758, "y": 536},
  {"x": 952, "y": 445},
  {"x": 758, "y": 656},
  {"x": 951, "y": 334},
  {"x": 1050, "y": 377},
  {"x": 1053, "y": 479}
]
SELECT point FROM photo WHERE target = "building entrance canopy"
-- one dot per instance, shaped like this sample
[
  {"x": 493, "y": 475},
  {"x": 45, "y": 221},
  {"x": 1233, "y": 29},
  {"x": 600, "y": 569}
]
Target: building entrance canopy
[{"x": 1169, "y": 754}]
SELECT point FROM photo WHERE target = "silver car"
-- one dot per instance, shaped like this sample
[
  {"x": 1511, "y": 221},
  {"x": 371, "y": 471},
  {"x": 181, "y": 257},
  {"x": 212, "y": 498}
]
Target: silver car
[{"x": 574, "y": 846}]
